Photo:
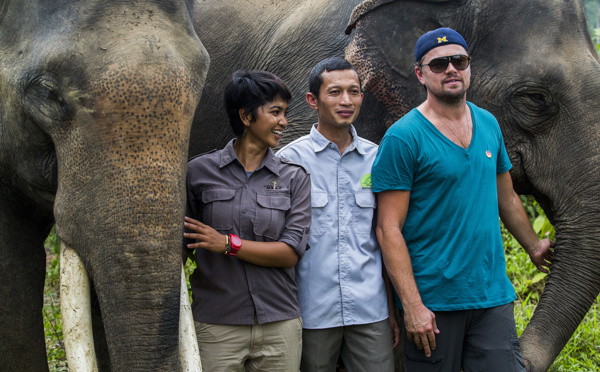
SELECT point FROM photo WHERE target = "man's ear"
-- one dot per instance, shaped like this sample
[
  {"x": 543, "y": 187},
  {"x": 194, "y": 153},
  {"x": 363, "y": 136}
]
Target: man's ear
[
  {"x": 419, "y": 74},
  {"x": 312, "y": 100},
  {"x": 245, "y": 116}
]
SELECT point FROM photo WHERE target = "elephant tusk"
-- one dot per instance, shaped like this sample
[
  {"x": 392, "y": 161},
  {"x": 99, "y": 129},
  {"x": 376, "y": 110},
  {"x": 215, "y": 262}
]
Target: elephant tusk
[
  {"x": 189, "y": 354},
  {"x": 76, "y": 312}
]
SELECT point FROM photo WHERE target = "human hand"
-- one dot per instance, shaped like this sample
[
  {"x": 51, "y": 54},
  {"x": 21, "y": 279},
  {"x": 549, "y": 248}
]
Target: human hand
[
  {"x": 395, "y": 327},
  {"x": 206, "y": 237},
  {"x": 542, "y": 255},
  {"x": 421, "y": 327}
]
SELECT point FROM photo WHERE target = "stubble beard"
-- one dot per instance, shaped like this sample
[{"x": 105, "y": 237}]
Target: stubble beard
[{"x": 449, "y": 98}]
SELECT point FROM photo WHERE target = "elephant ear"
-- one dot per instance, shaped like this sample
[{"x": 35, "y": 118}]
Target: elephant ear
[{"x": 368, "y": 5}]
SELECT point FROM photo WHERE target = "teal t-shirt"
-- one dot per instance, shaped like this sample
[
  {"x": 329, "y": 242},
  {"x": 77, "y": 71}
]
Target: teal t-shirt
[{"x": 452, "y": 229}]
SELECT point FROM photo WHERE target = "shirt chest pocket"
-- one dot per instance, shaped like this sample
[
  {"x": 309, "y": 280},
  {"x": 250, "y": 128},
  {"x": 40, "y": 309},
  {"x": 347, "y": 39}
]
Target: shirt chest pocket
[
  {"x": 271, "y": 209},
  {"x": 218, "y": 208},
  {"x": 362, "y": 215},
  {"x": 320, "y": 219}
]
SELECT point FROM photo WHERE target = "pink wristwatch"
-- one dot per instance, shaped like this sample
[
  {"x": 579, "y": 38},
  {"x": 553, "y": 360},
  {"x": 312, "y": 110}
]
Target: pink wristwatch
[{"x": 235, "y": 243}]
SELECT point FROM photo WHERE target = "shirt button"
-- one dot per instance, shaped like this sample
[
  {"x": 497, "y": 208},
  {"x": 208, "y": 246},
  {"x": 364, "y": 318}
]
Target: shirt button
[
  {"x": 244, "y": 210},
  {"x": 252, "y": 291},
  {"x": 246, "y": 186}
]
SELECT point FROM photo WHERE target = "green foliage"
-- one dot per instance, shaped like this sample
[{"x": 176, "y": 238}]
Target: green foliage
[
  {"x": 596, "y": 39},
  {"x": 592, "y": 15},
  {"x": 55, "y": 348},
  {"x": 189, "y": 268}
]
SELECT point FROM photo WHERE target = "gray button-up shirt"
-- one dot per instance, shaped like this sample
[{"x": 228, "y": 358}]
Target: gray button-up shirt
[
  {"x": 340, "y": 278},
  {"x": 272, "y": 204}
]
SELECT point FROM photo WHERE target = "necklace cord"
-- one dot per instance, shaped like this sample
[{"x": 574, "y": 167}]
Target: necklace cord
[{"x": 452, "y": 130}]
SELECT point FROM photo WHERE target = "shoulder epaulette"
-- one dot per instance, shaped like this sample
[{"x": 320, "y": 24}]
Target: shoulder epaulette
[{"x": 288, "y": 161}]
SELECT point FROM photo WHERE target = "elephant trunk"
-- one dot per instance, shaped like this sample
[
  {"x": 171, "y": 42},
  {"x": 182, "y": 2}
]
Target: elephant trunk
[
  {"x": 132, "y": 255},
  {"x": 572, "y": 287}
]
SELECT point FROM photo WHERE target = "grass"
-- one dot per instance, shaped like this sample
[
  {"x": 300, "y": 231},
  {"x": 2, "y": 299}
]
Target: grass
[
  {"x": 581, "y": 354},
  {"x": 55, "y": 348}
]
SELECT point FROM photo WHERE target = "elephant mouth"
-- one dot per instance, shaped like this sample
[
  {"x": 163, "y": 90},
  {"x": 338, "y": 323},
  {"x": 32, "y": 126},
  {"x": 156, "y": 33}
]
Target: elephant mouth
[{"x": 77, "y": 319}]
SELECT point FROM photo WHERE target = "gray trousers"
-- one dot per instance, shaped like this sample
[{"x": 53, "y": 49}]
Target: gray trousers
[
  {"x": 471, "y": 340},
  {"x": 363, "y": 348}
]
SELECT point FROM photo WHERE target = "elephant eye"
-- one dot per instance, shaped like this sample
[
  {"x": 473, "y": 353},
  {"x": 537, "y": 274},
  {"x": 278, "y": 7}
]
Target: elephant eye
[
  {"x": 45, "y": 102},
  {"x": 534, "y": 103},
  {"x": 538, "y": 98}
]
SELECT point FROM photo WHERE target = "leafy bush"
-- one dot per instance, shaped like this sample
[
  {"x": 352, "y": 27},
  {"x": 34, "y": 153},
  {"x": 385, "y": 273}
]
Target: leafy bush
[{"x": 55, "y": 348}]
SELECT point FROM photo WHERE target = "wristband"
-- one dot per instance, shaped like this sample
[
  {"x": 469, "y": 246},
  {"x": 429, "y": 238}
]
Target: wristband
[{"x": 227, "y": 245}]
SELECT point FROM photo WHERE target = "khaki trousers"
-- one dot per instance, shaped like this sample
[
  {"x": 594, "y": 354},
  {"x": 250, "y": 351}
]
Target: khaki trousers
[{"x": 269, "y": 347}]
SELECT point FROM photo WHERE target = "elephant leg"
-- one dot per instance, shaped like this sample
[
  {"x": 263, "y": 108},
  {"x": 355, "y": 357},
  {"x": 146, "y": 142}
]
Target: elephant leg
[{"x": 22, "y": 271}]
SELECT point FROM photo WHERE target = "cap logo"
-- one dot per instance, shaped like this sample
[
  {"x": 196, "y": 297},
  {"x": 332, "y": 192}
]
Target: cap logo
[{"x": 436, "y": 38}]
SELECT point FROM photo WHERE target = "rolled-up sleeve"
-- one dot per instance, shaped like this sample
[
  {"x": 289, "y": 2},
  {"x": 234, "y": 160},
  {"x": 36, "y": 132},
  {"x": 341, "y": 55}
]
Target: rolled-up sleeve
[{"x": 297, "y": 220}]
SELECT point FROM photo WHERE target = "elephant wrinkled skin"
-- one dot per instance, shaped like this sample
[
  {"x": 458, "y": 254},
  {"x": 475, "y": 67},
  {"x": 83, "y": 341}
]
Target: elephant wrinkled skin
[
  {"x": 96, "y": 103},
  {"x": 535, "y": 69},
  {"x": 97, "y": 99},
  {"x": 285, "y": 37}
]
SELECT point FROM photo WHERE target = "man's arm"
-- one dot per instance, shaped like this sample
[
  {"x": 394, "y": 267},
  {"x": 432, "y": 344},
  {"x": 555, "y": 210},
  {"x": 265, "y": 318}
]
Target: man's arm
[
  {"x": 419, "y": 321},
  {"x": 395, "y": 328},
  {"x": 515, "y": 219}
]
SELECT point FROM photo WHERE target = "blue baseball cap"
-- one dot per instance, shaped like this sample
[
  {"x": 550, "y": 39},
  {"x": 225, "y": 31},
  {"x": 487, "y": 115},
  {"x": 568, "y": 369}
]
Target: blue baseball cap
[{"x": 436, "y": 38}]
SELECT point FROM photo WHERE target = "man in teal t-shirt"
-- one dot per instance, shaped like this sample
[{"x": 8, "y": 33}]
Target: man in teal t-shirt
[{"x": 441, "y": 174}]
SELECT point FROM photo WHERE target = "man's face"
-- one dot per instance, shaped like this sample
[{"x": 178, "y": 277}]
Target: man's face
[
  {"x": 339, "y": 99},
  {"x": 449, "y": 86}
]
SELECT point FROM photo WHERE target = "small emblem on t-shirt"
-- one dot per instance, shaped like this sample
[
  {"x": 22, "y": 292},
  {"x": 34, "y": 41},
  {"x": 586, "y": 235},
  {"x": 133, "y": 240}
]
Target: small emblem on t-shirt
[
  {"x": 365, "y": 181},
  {"x": 488, "y": 153},
  {"x": 274, "y": 185}
]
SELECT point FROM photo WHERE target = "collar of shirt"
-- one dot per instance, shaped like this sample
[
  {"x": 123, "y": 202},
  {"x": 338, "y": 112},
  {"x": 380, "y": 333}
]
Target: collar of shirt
[
  {"x": 270, "y": 161},
  {"x": 319, "y": 142}
]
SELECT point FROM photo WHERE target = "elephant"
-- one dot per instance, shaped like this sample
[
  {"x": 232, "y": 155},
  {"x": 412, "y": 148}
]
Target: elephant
[
  {"x": 97, "y": 99},
  {"x": 285, "y": 37},
  {"x": 534, "y": 68}
]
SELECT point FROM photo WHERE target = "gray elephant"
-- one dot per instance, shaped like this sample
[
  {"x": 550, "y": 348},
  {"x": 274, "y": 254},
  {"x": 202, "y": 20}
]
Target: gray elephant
[
  {"x": 535, "y": 69},
  {"x": 96, "y": 103},
  {"x": 286, "y": 37}
]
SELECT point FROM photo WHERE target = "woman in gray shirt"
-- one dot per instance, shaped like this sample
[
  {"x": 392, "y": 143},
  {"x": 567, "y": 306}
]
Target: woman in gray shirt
[{"x": 248, "y": 217}]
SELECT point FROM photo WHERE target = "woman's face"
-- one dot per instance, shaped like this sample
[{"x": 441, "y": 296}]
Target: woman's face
[{"x": 267, "y": 128}]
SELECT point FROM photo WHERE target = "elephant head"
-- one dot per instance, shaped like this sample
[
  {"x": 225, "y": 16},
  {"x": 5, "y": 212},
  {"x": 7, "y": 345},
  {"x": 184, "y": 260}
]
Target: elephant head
[
  {"x": 534, "y": 68},
  {"x": 96, "y": 104}
]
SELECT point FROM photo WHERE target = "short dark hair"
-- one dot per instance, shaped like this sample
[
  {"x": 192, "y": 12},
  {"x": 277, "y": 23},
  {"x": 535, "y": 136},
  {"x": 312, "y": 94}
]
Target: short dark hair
[
  {"x": 315, "y": 78},
  {"x": 249, "y": 90}
]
